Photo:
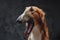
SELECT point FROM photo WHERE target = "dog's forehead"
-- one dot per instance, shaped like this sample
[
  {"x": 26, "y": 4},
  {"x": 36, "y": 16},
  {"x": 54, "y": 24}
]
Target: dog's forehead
[
  {"x": 27, "y": 8},
  {"x": 33, "y": 7}
]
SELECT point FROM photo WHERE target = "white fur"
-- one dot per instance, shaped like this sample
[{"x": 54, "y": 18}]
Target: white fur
[
  {"x": 22, "y": 15},
  {"x": 31, "y": 37}
]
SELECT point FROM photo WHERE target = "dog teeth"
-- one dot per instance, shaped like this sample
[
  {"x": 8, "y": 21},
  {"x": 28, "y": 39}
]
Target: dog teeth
[{"x": 26, "y": 24}]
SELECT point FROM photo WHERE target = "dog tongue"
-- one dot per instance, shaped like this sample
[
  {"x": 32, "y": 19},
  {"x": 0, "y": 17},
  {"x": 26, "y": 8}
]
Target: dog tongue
[{"x": 28, "y": 29}]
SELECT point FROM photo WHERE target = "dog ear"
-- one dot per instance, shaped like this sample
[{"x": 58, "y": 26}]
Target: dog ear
[
  {"x": 41, "y": 14},
  {"x": 31, "y": 9}
]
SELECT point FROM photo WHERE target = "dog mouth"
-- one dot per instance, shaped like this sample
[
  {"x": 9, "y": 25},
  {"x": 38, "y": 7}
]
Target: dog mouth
[{"x": 29, "y": 27}]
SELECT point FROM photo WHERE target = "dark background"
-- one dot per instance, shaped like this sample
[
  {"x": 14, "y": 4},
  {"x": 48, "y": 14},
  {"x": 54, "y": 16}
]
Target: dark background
[{"x": 11, "y": 9}]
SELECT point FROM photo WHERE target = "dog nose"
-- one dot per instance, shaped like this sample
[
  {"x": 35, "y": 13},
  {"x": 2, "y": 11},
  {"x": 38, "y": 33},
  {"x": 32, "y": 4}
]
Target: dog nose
[{"x": 18, "y": 21}]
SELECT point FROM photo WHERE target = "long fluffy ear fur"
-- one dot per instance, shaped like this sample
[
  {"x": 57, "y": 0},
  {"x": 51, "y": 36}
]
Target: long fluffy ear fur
[{"x": 42, "y": 13}]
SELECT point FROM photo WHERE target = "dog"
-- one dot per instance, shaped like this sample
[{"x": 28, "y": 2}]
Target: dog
[{"x": 36, "y": 26}]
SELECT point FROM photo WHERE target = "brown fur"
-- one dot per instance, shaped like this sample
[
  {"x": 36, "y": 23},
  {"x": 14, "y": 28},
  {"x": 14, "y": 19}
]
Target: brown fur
[
  {"x": 39, "y": 14},
  {"x": 40, "y": 29}
]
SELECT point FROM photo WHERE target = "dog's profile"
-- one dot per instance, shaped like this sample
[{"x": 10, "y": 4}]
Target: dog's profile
[{"x": 36, "y": 27}]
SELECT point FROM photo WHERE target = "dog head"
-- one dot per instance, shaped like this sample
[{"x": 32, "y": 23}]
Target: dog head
[{"x": 31, "y": 14}]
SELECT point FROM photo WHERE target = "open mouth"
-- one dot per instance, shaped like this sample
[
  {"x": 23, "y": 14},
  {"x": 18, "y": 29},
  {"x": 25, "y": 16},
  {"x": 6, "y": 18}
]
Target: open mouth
[{"x": 29, "y": 27}]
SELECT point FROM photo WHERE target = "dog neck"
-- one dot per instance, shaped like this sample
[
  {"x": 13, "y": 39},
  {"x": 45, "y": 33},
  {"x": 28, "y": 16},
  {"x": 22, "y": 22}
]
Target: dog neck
[{"x": 36, "y": 32}]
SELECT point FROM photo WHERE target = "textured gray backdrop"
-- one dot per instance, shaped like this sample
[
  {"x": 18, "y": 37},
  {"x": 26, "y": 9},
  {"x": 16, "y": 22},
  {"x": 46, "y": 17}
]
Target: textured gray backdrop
[{"x": 11, "y": 9}]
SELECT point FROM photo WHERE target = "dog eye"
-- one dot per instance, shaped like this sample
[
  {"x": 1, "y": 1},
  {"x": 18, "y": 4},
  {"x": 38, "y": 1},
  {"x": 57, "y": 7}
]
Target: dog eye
[{"x": 32, "y": 12}]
